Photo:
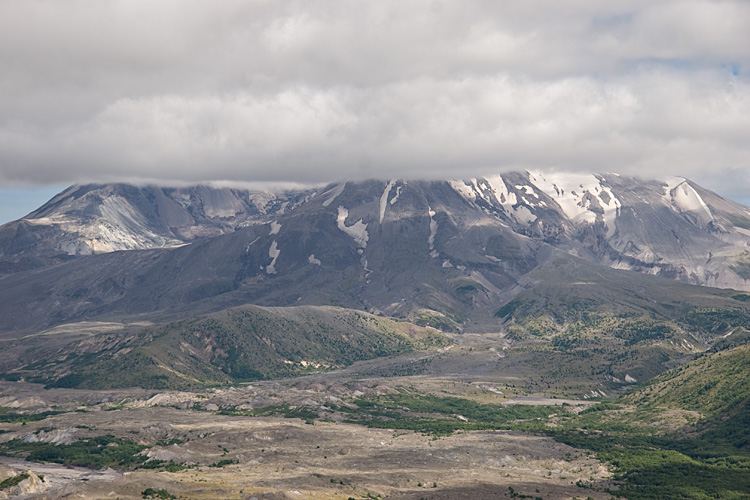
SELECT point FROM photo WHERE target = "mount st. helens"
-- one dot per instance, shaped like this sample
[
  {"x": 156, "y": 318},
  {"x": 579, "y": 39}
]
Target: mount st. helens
[
  {"x": 528, "y": 255},
  {"x": 671, "y": 228},
  {"x": 460, "y": 248}
]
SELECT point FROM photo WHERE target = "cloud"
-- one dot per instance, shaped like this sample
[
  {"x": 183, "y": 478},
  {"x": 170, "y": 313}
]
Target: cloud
[{"x": 317, "y": 91}]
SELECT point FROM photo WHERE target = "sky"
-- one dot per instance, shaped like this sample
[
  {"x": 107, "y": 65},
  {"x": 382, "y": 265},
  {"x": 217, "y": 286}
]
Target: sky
[{"x": 189, "y": 91}]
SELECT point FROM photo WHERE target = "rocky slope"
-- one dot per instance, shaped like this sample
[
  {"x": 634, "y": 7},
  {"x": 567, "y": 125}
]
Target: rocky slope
[
  {"x": 672, "y": 228},
  {"x": 92, "y": 219}
]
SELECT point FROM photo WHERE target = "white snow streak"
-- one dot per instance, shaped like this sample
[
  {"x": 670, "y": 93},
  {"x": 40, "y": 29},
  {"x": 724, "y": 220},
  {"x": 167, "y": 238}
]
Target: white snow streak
[
  {"x": 524, "y": 215},
  {"x": 275, "y": 226},
  {"x": 687, "y": 199},
  {"x": 433, "y": 232},
  {"x": 274, "y": 253},
  {"x": 384, "y": 199},
  {"x": 334, "y": 193},
  {"x": 398, "y": 193},
  {"x": 495, "y": 192},
  {"x": 312, "y": 260}
]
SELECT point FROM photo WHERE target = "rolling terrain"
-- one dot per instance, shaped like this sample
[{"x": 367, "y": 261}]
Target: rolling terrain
[
  {"x": 525, "y": 335},
  {"x": 236, "y": 345}
]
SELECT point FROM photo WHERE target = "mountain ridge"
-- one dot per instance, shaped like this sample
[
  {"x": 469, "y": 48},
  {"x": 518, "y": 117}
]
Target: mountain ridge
[
  {"x": 101, "y": 218},
  {"x": 460, "y": 248},
  {"x": 673, "y": 228}
]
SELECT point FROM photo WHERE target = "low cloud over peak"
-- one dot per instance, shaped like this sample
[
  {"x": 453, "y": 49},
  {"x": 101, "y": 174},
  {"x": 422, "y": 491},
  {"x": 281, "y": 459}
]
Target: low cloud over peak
[{"x": 312, "y": 92}]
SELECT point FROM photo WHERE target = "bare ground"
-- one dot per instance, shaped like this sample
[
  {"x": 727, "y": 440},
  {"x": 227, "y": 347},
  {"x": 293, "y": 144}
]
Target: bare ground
[{"x": 286, "y": 458}]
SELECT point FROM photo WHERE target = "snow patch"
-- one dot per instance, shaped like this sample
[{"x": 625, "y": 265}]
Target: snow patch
[
  {"x": 398, "y": 193},
  {"x": 502, "y": 195},
  {"x": 464, "y": 190},
  {"x": 384, "y": 199},
  {"x": 523, "y": 215},
  {"x": 630, "y": 380},
  {"x": 670, "y": 184},
  {"x": 495, "y": 192},
  {"x": 312, "y": 260},
  {"x": 275, "y": 226},
  {"x": 433, "y": 232},
  {"x": 358, "y": 230},
  {"x": 274, "y": 253},
  {"x": 687, "y": 199},
  {"x": 573, "y": 193},
  {"x": 334, "y": 193},
  {"x": 528, "y": 190}
]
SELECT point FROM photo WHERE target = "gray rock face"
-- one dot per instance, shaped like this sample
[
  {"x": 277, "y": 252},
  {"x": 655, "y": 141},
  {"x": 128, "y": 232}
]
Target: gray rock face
[
  {"x": 93, "y": 219},
  {"x": 460, "y": 248}
]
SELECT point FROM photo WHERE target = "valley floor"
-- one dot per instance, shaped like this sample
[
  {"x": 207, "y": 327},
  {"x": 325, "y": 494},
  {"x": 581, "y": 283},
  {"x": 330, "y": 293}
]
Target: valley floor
[
  {"x": 269, "y": 458},
  {"x": 469, "y": 421},
  {"x": 243, "y": 442}
]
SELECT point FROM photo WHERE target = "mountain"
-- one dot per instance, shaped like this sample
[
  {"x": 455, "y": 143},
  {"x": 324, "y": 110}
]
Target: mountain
[
  {"x": 523, "y": 253},
  {"x": 90, "y": 219},
  {"x": 458, "y": 261},
  {"x": 460, "y": 248},
  {"x": 672, "y": 228}
]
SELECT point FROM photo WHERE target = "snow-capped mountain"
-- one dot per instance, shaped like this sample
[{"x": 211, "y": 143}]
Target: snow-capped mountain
[
  {"x": 672, "y": 228},
  {"x": 458, "y": 248}
]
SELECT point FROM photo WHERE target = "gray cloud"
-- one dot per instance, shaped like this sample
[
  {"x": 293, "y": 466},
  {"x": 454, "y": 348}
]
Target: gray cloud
[{"x": 315, "y": 91}]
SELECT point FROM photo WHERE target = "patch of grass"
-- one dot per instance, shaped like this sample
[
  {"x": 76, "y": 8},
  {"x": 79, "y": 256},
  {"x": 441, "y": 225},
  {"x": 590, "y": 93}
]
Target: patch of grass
[
  {"x": 434, "y": 319},
  {"x": 13, "y": 481},
  {"x": 305, "y": 413},
  {"x": 170, "y": 466},
  {"x": 95, "y": 453},
  {"x": 163, "y": 494},
  {"x": 658, "y": 467},
  {"x": 437, "y": 416},
  {"x": 9, "y": 416},
  {"x": 224, "y": 463},
  {"x": 707, "y": 460}
]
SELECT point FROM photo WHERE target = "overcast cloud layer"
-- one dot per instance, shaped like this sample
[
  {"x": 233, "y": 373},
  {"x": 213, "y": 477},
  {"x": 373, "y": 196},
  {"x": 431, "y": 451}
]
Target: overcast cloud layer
[{"x": 316, "y": 91}]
